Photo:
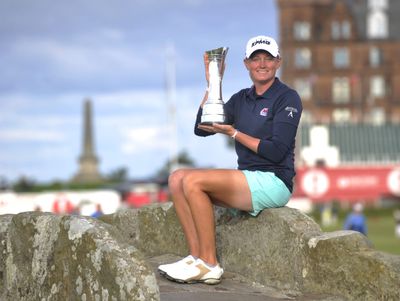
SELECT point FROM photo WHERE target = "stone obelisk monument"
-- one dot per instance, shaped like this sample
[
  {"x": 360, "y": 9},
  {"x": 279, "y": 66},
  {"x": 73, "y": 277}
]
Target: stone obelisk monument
[{"x": 88, "y": 161}]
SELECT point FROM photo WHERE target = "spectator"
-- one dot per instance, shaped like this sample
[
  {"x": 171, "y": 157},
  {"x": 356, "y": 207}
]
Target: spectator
[
  {"x": 356, "y": 220},
  {"x": 62, "y": 205},
  {"x": 396, "y": 215},
  {"x": 98, "y": 212}
]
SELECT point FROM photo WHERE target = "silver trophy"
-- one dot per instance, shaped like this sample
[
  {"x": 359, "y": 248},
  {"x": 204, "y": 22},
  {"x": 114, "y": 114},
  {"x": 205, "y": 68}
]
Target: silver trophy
[{"x": 213, "y": 108}]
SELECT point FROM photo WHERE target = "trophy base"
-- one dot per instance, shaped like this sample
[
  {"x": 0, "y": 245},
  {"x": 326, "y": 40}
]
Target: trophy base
[
  {"x": 211, "y": 122},
  {"x": 210, "y": 119},
  {"x": 213, "y": 113}
]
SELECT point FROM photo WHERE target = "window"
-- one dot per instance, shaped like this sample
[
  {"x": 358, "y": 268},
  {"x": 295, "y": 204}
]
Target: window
[
  {"x": 378, "y": 116},
  {"x": 303, "y": 87},
  {"x": 302, "y": 59},
  {"x": 335, "y": 30},
  {"x": 302, "y": 31},
  {"x": 341, "y": 90},
  {"x": 377, "y": 26},
  {"x": 377, "y": 86},
  {"x": 340, "y": 30},
  {"x": 346, "y": 30},
  {"x": 341, "y": 57},
  {"x": 375, "y": 57},
  {"x": 341, "y": 115}
]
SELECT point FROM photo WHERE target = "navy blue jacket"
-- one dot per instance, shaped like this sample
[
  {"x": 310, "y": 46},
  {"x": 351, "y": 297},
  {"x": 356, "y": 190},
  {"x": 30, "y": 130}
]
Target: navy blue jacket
[{"x": 273, "y": 118}]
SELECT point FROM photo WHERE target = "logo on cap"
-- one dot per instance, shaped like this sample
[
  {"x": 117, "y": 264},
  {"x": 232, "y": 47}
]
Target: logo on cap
[{"x": 260, "y": 42}]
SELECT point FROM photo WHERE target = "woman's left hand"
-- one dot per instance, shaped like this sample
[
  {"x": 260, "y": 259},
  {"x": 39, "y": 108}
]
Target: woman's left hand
[{"x": 218, "y": 128}]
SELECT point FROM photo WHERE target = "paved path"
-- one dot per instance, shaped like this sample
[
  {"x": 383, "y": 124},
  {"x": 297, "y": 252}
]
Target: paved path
[{"x": 232, "y": 288}]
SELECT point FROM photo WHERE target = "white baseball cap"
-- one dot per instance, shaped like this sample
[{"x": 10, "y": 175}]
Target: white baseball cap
[{"x": 262, "y": 43}]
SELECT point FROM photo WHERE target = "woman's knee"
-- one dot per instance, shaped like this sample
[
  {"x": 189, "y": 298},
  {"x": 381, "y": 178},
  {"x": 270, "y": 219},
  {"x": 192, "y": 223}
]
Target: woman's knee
[
  {"x": 192, "y": 183},
  {"x": 175, "y": 180}
]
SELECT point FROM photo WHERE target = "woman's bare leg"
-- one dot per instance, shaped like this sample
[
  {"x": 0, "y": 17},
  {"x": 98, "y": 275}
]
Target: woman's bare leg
[
  {"x": 202, "y": 188},
  {"x": 183, "y": 210}
]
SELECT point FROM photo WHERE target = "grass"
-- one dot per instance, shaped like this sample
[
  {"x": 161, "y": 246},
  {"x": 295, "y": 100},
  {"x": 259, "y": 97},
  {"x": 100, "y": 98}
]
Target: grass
[{"x": 380, "y": 224}]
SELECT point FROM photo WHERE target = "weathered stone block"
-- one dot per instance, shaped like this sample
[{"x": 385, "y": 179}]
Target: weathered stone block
[
  {"x": 49, "y": 257},
  {"x": 268, "y": 248},
  {"x": 344, "y": 262},
  {"x": 155, "y": 230}
]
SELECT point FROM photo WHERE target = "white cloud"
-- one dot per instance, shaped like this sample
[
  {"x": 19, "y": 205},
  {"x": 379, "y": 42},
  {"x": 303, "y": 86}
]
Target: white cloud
[
  {"x": 67, "y": 57},
  {"x": 146, "y": 139},
  {"x": 131, "y": 99},
  {"x": 24, "y": 135}
]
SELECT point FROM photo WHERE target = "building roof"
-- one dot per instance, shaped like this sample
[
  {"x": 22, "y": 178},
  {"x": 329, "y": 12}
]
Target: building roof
[{"x": 361, "y": 143}]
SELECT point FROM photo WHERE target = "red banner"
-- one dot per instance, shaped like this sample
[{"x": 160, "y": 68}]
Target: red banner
[{"x": 348, "y": 183}]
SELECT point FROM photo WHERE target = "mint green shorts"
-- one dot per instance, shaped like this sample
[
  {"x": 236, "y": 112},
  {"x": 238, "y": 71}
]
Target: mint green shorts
[{"x": 267, "y": 191}]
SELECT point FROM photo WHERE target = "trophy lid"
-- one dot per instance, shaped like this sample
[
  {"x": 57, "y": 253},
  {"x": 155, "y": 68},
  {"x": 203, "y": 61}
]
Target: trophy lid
[{"x": 218, "y": 52}]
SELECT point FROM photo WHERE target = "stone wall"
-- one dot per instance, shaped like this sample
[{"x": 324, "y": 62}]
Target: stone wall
[{"x": 49, "y": 257}]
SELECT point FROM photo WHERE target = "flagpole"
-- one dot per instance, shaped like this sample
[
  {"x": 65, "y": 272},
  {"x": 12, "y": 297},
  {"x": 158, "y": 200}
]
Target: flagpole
[{"x": 171, "y": 103}]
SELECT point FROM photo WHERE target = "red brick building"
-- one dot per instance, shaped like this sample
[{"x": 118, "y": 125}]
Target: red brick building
[{"x": 343, "y": 57}]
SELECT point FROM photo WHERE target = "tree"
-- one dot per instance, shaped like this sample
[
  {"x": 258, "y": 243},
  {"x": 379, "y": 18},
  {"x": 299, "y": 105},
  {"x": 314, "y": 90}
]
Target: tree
[
  {"x": 118, "y": 175},
  {"x": 183, "y": 159},
  {"x": 24, "y": 184},
  {"x": 4, "y": 184}
]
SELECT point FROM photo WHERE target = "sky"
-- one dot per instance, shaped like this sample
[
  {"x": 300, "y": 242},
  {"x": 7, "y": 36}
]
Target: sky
[{"x": 56, "y": 54}]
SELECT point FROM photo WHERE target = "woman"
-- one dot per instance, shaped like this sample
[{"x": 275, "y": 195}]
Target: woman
[{"x": 263, "y": 120}]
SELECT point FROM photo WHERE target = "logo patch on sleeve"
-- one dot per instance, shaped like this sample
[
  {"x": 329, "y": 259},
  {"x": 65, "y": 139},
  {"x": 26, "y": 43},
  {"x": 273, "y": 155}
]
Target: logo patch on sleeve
[{"x": 291, "y": 110}]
